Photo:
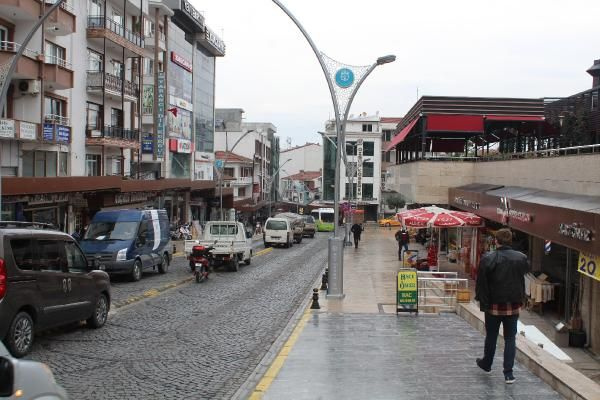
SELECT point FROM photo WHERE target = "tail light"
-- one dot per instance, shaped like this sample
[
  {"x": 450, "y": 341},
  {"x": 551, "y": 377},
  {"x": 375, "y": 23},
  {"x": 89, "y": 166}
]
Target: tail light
[
  {"x": 198, "y": 248},
  {"x": 3, "y": 278}
]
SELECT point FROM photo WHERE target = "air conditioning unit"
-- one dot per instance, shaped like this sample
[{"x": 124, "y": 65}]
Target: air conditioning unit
[{"x": 30, "y": 86}]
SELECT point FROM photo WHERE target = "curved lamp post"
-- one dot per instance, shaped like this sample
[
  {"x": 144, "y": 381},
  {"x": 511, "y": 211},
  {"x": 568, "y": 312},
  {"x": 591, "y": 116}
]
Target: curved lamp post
[
  {"x": 221, "y": 170},
  {"x": 270, "y": 182}
]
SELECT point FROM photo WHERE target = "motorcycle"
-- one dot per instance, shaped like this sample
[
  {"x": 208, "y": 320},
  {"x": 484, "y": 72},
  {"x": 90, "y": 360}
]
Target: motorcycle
[
  {"x": 200, "y": 262},
  {"x": 185, "y": 231}
]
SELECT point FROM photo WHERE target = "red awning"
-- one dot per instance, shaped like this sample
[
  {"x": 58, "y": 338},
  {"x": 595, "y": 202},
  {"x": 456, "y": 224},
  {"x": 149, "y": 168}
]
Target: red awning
[
  {"x": 454, "y": 123},
  {"x": 402, "y": 135},
  {"x": 533, "y": 118}
]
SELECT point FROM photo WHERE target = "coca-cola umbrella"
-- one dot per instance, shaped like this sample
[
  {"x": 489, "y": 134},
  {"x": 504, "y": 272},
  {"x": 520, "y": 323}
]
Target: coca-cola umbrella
[{"x": 437, "y": 217}]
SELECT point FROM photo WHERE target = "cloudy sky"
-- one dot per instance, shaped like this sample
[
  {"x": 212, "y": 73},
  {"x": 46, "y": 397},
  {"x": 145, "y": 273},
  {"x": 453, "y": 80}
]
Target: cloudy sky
[{"x": 509, "y": 48}]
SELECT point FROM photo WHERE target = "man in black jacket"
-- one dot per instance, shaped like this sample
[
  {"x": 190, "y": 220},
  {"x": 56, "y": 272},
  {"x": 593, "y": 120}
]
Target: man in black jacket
[
  {"x": 500, "y": 291},
  {"x": 356, "y": 231}
]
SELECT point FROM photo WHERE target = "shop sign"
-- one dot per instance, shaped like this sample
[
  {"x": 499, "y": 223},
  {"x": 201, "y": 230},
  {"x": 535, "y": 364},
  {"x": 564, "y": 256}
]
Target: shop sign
[
  {"x": 181, "y": 103},
  {"x": 160, "y": 116},
  {"x": 461, "y": 201},
  {"x": 589, "y": 265},
  {"x": 48, "y": 133},
  {"x": 79, "y": 201},
  {"x": 27, "y": 130},
  {"x": 576, "y": 231},
  {"x": 359, "y": 168},
  {"x": 63, "y": 134},
  {"x": 192, "y": 12},
  {"x": 184, "y": 146},
  {"x": 147, "y": 144},
  {"x": 514, "y": 214},
  {"x": 7, "y": 128},
  {"x": 126, "y": 198},
  {"x": 407, "y": 299},
  {"x": 215, "y": 41},
  {"x": 148, "y": 97},
  {"x": 46, "y": 198},
  {"x": 182, "y": 62}
]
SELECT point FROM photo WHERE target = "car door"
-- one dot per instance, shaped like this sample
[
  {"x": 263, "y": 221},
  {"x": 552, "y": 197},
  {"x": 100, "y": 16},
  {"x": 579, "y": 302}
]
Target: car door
[
  {"x": 53, "y": 281},
  {"x": 141, "y": 249},
  {"x": 82, "y": 295}
]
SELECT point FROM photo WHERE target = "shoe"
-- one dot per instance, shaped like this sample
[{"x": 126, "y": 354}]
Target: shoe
[
  {"x": 509, "y": 378},
  {"x": 479, "y": 362}
]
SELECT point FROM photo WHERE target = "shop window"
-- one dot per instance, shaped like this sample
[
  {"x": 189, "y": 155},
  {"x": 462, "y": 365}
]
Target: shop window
[
  {"x": 39, "y": 163},
  {"x": 368, "y": 149},
  {"x": 92, "y": 165}
]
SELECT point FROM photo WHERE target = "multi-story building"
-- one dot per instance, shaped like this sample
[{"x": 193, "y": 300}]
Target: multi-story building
[
  {"x": 238, "y": 174},
  {"x": 307, "y": 157},
  {"x": 260, "y": 144},
  {"x": 90, "y": 98},
  {"x": 302, "y": 187},
  {"x": 388, "y": 158},
  {"x": 363, "y": 149}
]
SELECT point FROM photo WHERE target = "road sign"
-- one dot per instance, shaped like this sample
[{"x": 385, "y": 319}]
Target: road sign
[
  {"x": 219, "y": 164},
  {"x": 344, "y": 77},
  {"x": 407, "y": 298}
]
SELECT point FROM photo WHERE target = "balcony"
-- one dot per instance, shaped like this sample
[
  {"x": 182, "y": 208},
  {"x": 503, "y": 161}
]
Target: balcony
[
  {"x": 112, "y": 136},
  {"x": 62, "y": 21},
  {"x": 58, "y": 73},
  {"x": 150, "y": 41},
  {"x": 28, "y": 66},
  {"x": 101, "y": 27},
  {"x": 15, "y": 129},
  {"x": 57, "y": 120},
  {"x": 21, "y": 10},
  {"x": 113, "y": 86},
  {"x": 242, "y": 181}
]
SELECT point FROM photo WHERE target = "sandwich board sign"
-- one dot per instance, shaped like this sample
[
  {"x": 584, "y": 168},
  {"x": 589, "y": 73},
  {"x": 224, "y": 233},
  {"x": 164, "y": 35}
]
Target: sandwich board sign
[{"x": 407, "y": 286}]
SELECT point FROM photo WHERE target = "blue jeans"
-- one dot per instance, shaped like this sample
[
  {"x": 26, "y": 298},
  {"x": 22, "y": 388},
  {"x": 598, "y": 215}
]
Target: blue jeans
[
  {"x": 401, "y": 246},
  {"x": 492, "y": 326}
]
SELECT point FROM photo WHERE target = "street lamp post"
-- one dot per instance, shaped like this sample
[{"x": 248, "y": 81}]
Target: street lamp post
[
  {"x": 348, "y": 80},
  {"x": 222, "y": 169},
  {"x": 270, "y": 182},
  {"x": 7, "y": 70}
]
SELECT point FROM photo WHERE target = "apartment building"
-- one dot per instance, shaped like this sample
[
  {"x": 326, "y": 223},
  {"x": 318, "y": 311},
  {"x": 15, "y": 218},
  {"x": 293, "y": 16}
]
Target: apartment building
[{"x": 98, "y": 107}]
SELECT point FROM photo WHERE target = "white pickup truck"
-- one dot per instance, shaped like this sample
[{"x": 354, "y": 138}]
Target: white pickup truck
[{"x": 230, "y": 241}]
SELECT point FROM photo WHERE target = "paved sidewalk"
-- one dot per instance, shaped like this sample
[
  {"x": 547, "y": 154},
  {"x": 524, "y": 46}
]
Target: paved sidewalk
[{"x": 357, "y": 348}]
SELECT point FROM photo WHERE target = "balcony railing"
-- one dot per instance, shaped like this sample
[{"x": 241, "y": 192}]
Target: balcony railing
[
  {"x": 147, "y": 110},
  {"x": 112, "y": 83},
  {"x": 115, "y": 132},
  {"x": 101, "y": 21},
  {"x": 54, "y": 60},
  {"x": 14, "y": 47},
  {"x": 161, "y": 36},
  {"x": 65, "y": 5},
  {"x": 57, "y": 119}
]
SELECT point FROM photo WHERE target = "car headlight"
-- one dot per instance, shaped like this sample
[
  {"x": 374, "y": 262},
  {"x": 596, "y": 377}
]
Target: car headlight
[{"x": 122, "y": 255}]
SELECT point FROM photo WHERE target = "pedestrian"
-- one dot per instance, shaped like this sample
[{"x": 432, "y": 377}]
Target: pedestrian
[
  {"x": 500, "y": 290},
  {"x": 356, "y": 231},
  {"x": 403, "y": 239}
]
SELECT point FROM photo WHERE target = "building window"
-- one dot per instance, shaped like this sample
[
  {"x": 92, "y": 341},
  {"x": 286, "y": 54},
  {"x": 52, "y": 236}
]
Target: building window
[
  {"x": 63, "y": 163},
  {"x": 92, "y": 164},
  {"x": 54, "y": 107},
  {"x": 95, "y": 61},
  {"x": 351, "y": 148},
  {"x": 95, "y": 8},
  {"x": 55, "y": 54},
  {"x": 367, "y": 191},
  {"x": 39, "y": 163},
  {"x": 148, "y": 67},
  {"x": 595, "y": 100},
  {"x": 367, "y": 128},
  {"x": 368, "y": 149},
  {"x": 246, "y": 171},
  {"x": 242, "y": 192},
  {"x": 228, "y": 172},
  {"x": 368, "y": 170},
  {"x": 94, "y": 116},
  {"x": 116, "y": 117},
  {"x": 118, "y": 69},
  {"x": 387, "y": 135}
]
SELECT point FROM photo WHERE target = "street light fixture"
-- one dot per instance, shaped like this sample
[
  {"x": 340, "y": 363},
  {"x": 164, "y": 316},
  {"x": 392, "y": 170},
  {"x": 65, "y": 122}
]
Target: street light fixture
[
  {"x": 222, "y": 169},
  {"x": 344, "y": 81}
]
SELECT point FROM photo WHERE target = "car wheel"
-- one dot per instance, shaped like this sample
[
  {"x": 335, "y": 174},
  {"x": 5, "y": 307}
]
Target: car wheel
[
  {"x": 235, "y": 264},
  {"x": 163, "y": 267},
  {"x": 266, "y": 244},
  {"x": 136, "y": 273},
  {"x": 20, "y": 335},
  {"x": 98, "y": 318},
  {"x": 312, "y": 236},
  {"x": 300, "y": 240},
  {"x": 249, "y": 260}
]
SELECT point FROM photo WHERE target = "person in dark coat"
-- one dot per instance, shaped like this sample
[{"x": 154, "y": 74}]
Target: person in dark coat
[
  {"x": 356, "y": 231},
  {"x": 500, "y": 290},
  {"x": 403, "y": 239}
]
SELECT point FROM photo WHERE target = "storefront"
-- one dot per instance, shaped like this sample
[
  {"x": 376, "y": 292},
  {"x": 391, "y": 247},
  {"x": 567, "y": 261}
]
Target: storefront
[{"x": 558, "y": 233}]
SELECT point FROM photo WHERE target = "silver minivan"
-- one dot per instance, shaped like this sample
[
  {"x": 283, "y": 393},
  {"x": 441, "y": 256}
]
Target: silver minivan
[{"x": 278, "y": 231}]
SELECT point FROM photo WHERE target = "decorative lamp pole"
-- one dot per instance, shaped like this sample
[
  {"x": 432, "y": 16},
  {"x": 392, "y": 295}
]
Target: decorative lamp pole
[
  {"x": 221, "y": 169},
  {"x": 270, "y": 182}
]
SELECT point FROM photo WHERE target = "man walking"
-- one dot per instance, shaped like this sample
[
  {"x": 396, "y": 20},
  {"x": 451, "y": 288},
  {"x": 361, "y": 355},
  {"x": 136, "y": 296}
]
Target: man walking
[
  {"x": 500, "y": 291},
  {"x": 356, "y": 231},
  {"x": 403, "y": 239}
]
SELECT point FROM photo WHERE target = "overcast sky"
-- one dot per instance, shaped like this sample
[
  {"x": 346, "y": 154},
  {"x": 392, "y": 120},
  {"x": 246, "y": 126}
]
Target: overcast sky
[{"x": 509, "y": 48}]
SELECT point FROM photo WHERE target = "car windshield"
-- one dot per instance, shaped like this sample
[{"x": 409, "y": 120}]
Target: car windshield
[
  {"x": 327, "y": 217},
  {"x": 309, "y": 220},
  {"x": 277, "y": 225},
  {"x": 111, "y": 230},
  {"x": 223, "y": 230}
]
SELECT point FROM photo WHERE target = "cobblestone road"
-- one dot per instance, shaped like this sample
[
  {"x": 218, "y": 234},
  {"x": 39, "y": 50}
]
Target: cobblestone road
[{"x": 198, "y": 341}]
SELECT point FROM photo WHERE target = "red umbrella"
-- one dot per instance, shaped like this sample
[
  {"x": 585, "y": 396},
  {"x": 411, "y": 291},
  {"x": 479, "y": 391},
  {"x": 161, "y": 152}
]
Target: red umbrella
[{"x": 425, "y": 217}]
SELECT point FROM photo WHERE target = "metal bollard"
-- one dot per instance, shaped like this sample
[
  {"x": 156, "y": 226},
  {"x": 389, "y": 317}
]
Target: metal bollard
[
  {"x": 324, "y": 279},
  {"x": 315, "y": 300},
  {"x": 174, "y": 248}
]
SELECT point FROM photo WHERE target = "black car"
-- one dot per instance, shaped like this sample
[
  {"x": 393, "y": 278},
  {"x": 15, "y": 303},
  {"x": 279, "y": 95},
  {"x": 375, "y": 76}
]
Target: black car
[{"x": 45, "y": 281}]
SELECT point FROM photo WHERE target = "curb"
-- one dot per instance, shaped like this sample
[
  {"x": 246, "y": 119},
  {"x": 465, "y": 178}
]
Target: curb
[{"x": 567, "y": 381}]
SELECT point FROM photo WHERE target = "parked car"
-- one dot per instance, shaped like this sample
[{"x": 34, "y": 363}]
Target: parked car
[
  {"x": 387, "y": 222},
  {"x": 297, "y": 224},
  {"x": 232, "y": 244},
  {"x": 129, "y": 241},
  {"x": 310, "y": 225},
  {"x": 32, "y": 379},
  {"x": 45, "y": 281},
  {"x": 278, "y": 231}
]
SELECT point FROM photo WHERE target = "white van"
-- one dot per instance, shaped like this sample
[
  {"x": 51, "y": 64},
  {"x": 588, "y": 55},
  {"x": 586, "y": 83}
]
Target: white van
[{"x": 278, "y": 231}]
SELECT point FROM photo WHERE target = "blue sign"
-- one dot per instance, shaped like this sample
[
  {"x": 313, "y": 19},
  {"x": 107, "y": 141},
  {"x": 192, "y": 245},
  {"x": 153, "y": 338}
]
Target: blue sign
[
  {"x": 344, "y": 78},
  {"x": 63, "y": 134},
  {"x": 48, "y": 133},
  {"x": 219, "y": 164},
  {"x": 147, "y": 144}
]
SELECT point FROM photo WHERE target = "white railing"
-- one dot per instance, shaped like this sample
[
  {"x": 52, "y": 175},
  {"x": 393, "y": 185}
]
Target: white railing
[
  {"x": 243, "y": 180},
  {"x": 439, "y": 291},
  {"x": 14, "y": 47},
  {"x": 65, "y": 5},
  {"x": 57, "y": 119},
  {"x": 54, "y": 60}
]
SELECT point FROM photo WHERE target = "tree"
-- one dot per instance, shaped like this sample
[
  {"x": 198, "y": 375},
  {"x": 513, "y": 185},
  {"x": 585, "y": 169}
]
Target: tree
[{"x": 395, "y": 201}]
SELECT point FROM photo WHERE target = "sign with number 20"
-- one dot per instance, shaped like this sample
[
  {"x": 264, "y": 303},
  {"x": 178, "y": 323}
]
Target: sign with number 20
[{"x": 588, "y": 265}]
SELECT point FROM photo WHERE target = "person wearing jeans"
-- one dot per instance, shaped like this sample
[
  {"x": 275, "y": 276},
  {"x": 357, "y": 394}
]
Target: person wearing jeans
[{"x": 500, "y": 290}]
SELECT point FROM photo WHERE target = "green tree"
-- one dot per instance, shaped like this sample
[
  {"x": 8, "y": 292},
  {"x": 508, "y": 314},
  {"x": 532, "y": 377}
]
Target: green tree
[{"x": 395, "y": 201}]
